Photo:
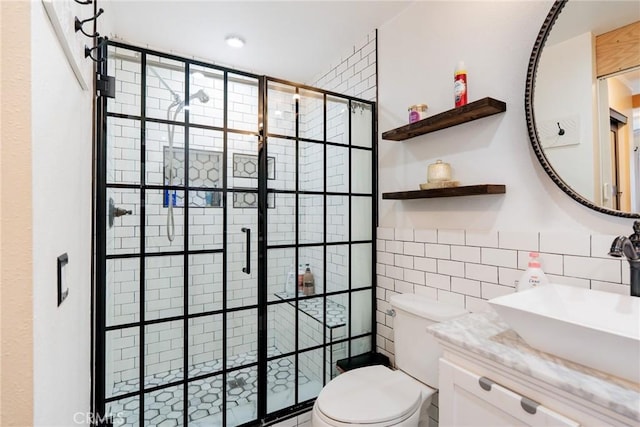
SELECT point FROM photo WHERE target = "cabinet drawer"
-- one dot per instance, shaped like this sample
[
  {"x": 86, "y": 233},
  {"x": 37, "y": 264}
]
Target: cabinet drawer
[{"x": 478, "y": 401}]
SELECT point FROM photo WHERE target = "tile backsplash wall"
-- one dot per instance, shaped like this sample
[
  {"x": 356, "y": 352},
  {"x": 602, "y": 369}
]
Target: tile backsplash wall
[
  {"x": 466, "y": 268},
  {"x": 354, "y": 73}
]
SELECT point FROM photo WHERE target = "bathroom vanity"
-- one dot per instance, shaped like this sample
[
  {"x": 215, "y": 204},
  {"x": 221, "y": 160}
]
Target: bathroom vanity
[{"x": 490, "y": 376}]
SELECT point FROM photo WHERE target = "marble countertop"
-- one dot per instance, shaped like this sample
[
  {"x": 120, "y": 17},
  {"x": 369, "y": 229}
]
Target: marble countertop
[{"x": 487, "y": 335}]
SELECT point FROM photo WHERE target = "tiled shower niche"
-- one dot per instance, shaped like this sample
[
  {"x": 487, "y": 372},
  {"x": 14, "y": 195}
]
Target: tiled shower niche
[
  {"x": 246, "y": 166},
  {"x": 205, "y": 170},
  {"x": 179, "y": 334}
]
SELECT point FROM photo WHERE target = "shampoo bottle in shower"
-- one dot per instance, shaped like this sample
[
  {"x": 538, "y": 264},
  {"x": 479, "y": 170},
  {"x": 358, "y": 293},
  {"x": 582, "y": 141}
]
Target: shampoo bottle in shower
[
  {"x": 308, "y": 282},
  {"x": 291, "y": 286},
  {"x": 170, "y": 197},
  {"x": 215, "y": 197},
  {"x": 460, "y": 85},
  {"x": 300, "y": 277}
]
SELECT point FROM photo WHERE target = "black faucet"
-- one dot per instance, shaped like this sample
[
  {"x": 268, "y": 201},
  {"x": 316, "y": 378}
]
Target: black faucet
[{"x": 630, "y": 248}]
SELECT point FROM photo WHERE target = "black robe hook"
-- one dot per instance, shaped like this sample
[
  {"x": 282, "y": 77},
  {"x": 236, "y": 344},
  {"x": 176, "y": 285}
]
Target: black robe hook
[
  {"x": 78, "y": 24},
  {"x": 87, "y": 53},
  {"x": 560, "y": 130},
  {"x": 88, "y": 50}
]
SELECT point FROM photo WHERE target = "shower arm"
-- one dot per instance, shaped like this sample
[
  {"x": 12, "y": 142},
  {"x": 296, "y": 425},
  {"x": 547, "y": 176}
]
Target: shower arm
[{"x": 176, "y": 97}]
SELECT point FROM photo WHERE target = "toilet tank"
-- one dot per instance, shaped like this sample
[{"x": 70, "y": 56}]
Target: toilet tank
[{"x": 417, "y": 351}]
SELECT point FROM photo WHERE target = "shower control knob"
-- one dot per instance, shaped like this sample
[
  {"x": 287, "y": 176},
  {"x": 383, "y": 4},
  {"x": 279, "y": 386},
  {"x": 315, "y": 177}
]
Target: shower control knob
[
  {"x": 115, "y": 212},
  {"x": 118, "y": 212}
]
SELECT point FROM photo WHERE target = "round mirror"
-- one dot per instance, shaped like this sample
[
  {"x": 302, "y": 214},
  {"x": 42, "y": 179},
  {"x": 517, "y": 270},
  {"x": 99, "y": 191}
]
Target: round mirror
[{"x": 582, "y": 102}]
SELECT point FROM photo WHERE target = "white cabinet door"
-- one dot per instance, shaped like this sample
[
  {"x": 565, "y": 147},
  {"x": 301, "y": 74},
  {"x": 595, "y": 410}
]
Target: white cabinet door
[{"x": 467, "y": 399}]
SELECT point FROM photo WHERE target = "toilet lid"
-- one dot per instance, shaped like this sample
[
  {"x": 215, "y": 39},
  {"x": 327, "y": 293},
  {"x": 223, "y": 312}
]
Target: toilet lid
[{"x": 368, "y": 395}]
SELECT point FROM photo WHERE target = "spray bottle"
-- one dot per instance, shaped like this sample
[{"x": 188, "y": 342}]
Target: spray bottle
[{"x": 460, "y": 85}]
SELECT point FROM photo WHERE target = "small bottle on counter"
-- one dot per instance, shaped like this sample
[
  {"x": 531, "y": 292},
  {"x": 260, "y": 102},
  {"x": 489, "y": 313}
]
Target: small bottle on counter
[
  {"x": 308, "y": 282},
  {"x": 533, "y": 275}
]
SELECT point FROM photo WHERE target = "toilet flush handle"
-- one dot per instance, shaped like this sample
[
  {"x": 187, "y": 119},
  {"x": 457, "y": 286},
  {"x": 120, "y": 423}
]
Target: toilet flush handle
[{"x": 391, "y": 312}]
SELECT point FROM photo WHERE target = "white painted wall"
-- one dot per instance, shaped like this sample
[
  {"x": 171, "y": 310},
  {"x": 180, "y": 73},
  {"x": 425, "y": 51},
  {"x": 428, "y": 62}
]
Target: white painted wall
[
  {"x": 61, "y": 134},
  {"x": 417, "y": 53}
]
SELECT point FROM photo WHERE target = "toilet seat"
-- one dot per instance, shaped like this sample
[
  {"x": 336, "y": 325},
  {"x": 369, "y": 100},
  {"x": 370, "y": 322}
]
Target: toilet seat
[{"x": 374, "y": 395}]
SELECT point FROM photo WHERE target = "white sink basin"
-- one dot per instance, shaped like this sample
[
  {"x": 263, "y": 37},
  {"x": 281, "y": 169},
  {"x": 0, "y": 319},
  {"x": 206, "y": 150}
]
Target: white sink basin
[{"x": 597, "y": 329}]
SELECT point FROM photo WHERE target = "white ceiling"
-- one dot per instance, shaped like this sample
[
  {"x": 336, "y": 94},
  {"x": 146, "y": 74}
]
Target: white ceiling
[{"x": 293, "y": 40}]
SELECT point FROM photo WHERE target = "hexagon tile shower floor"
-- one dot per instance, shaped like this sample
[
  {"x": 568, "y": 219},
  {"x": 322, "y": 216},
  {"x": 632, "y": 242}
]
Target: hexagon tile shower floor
[{"x": 165, "y": 407}]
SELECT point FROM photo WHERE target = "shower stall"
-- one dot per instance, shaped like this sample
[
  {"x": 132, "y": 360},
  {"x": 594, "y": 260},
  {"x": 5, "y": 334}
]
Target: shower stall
[{"x": 215, "y": 187}]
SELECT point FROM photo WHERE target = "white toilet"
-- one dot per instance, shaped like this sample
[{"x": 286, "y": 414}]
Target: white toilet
[{"x": 377, "y": 396}]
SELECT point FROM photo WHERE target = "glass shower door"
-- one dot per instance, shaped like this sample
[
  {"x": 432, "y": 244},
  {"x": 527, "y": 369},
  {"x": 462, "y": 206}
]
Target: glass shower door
[
  {"x": 206, "y": 226},
  {"x": 241, "y": 288},
  {"x": 320, "y": 223},
  {"x": 177, "y": 326}
]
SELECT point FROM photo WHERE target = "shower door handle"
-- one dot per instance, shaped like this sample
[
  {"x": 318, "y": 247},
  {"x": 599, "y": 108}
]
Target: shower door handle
[{"x": 247, "y": 268}]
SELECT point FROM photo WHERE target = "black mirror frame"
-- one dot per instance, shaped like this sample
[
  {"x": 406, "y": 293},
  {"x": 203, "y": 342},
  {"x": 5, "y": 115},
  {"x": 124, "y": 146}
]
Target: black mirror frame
[{"x": 557, "y": 7}]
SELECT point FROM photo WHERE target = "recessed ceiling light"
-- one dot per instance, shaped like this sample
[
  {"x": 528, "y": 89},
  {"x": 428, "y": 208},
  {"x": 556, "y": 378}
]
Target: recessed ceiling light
[{"x": 235, "y": 41}]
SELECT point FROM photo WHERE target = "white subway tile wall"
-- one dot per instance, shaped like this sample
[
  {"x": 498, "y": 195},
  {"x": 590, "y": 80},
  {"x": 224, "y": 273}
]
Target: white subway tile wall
[
  {"x": 311, "y": 332},
  {"x": 522, "y": 240},
  {"x": 466, "y": 268},
  {"x": 565, "y": 243},
  {"x": 354, "y": 73}
]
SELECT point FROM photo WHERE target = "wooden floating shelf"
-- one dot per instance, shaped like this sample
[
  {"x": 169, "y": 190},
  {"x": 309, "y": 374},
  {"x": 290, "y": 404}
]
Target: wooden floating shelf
[
  {"x": 468, "y": 190},
  {"x": 473, "y": 111}
]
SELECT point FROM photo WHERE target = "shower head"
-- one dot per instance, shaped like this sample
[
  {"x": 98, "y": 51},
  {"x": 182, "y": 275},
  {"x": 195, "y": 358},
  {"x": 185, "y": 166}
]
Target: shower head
[{"x": 200, "y": 95}]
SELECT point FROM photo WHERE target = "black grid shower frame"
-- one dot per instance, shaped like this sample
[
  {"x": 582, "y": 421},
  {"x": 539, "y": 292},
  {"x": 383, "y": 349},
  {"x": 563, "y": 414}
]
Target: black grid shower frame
[
  {"x": 143, "y": 255},
  {"x": 98, "y": 301},
  {"x": 261, "y": 307},
  {"x": 296, "y": 139}
]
